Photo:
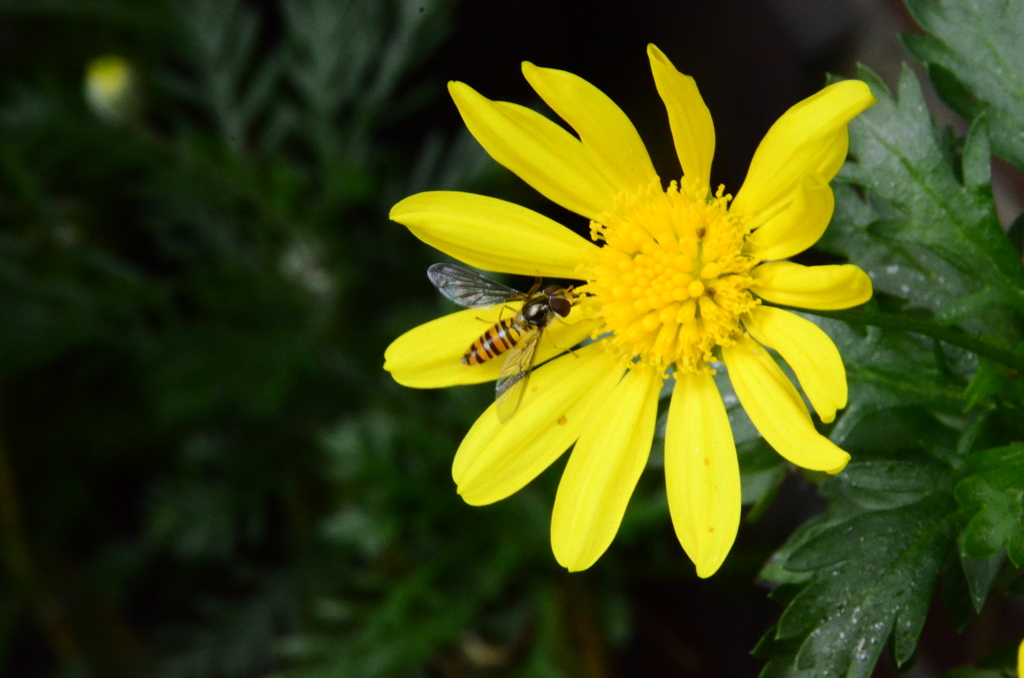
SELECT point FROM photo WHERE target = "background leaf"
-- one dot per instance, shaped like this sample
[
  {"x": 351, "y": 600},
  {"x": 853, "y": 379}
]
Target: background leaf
[
  {"x": 898, "y": 158},
  {"x": 992, "y": 495},
  {"x": 975, "y": 55}
]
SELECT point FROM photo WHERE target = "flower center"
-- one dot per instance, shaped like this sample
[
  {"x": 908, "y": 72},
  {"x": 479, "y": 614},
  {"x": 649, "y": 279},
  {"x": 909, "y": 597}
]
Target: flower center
[{"x": 671, "y": 281}]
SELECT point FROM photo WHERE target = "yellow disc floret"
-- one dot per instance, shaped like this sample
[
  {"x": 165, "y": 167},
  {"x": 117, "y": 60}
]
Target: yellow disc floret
[{"x": 671, "y": 281}]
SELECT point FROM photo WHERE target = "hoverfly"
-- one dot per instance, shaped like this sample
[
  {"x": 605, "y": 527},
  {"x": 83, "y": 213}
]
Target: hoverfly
[{"x": 518, "y": 335}]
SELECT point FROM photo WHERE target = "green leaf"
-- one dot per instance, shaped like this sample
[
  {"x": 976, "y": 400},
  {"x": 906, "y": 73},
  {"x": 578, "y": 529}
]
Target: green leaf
[
  {"x": 890, "y": 483},
  {"x": 889, "y": 369},
  {"x": 980, "y": 48},
  {"x": 977, "y": 155},
  {"x": 869, "y": 573},
  {"x": 993, "y": 381},
  {"x": 900, "y": 159},
  {"x": 901, "y": 269},
  {"x": 949, "y": 88},
  {"x": 992, "y": 495},
  {"x": 980, "y": 573},
  {"x": 873, "y": 578}
]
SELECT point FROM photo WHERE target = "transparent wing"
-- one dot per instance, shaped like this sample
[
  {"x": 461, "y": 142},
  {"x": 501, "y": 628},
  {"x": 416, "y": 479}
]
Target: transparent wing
[
  {"x": 468, "y": 288},
  {"x": 515, "y": 373}
]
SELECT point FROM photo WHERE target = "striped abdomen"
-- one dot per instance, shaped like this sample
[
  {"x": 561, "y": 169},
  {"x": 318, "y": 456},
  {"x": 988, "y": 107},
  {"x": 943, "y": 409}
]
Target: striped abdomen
[{"x": 501, "y": 336}]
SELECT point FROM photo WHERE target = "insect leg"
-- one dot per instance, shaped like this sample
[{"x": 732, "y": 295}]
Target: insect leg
[{"x": 551, "y": 339}]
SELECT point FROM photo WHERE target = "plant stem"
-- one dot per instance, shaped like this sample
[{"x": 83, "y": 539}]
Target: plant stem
[{"x": 948, "y": 335}]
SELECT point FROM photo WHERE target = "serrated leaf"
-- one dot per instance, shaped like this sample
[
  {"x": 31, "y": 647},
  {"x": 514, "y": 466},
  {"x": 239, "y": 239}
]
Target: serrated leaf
[
  {"x": 949, "y": 88},
  {"x": 890, "y": 369},
  {"x": 873, "y": 578},
  {"x": 981, "y": 45},
  {"x": 904, "y": 270},
  {"x": 977, "y": 155},
  {"x": 980, "y": 573},
  {"x": 992, "y": 495},
  {"x": 886, "y": 483},
  {"x": 775, "y": 569},
  {"x": 866, "y": 575},
  {"x": 899, "y": 158}
]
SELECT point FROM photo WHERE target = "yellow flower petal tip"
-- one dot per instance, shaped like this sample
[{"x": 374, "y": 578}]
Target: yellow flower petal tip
[
  {"x": 859, "y": 92},
  {"x": 1020, "y": 660},
  {"x": 603, "y": 470},
  {"x": 655, "y": 54},
  {"x": 702, "y": 475},
  {"x": 462, "y": 225},
  {"x": 693, "y": 132},
  {"x": 829, "y": 287},
  {"x": 809, "y": 140},
  {"x": 671, "y": 279},
  {"x": 838, "y": 469},
  {"x": 399, "y": 209},
  {"x": 705, "y": 570}
]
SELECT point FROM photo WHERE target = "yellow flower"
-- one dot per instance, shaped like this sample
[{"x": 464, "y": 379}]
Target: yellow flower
[
  {"x": 677, "y": 282},
  {"x": 1020, "y": 660}
]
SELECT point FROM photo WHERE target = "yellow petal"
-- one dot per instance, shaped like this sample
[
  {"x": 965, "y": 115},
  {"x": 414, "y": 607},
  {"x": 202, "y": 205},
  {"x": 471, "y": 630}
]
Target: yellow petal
[
  {"x": 603, "y": 128},
  {"x": 603, "y": 470},
  {"x": 540, "y": 152},
  {"x": 816, "y": 287},
  {"x": 702, "y": 474},
  {"x": 808, "y": 350},
  {"x": 833, "y": 154},
  {"x": 1020, "y": 660},
  {"x": 795, "y": 228},
  {"x": 492, "y": 234},
  {"x": 429, "y": 356},
  {"x": 779, "y": 414},
  {"x": 498, "y": 459},
  {"x": 809, "y": 139},
  {"x": 692, "y": 129}
]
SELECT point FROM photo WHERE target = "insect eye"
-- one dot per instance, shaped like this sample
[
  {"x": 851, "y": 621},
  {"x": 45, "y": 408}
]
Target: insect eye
[
  {"x": 551, "y": 290},
  {"x": 561, "y": 306}
]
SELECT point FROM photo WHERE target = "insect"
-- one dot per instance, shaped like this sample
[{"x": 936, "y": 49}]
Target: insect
[{"x": 518, "y": 336}]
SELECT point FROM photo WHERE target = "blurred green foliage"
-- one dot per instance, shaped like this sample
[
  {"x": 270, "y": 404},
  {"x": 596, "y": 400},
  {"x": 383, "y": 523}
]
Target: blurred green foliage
[{"x": 204, "y": 470}]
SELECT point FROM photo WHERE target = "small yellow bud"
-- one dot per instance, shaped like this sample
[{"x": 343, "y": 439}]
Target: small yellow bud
[{"x": 112, "y": 90}]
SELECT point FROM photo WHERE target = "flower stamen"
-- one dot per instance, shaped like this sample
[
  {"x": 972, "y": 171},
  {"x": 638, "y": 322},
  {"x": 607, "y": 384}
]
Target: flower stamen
[{"x": 671, "y": 281}]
